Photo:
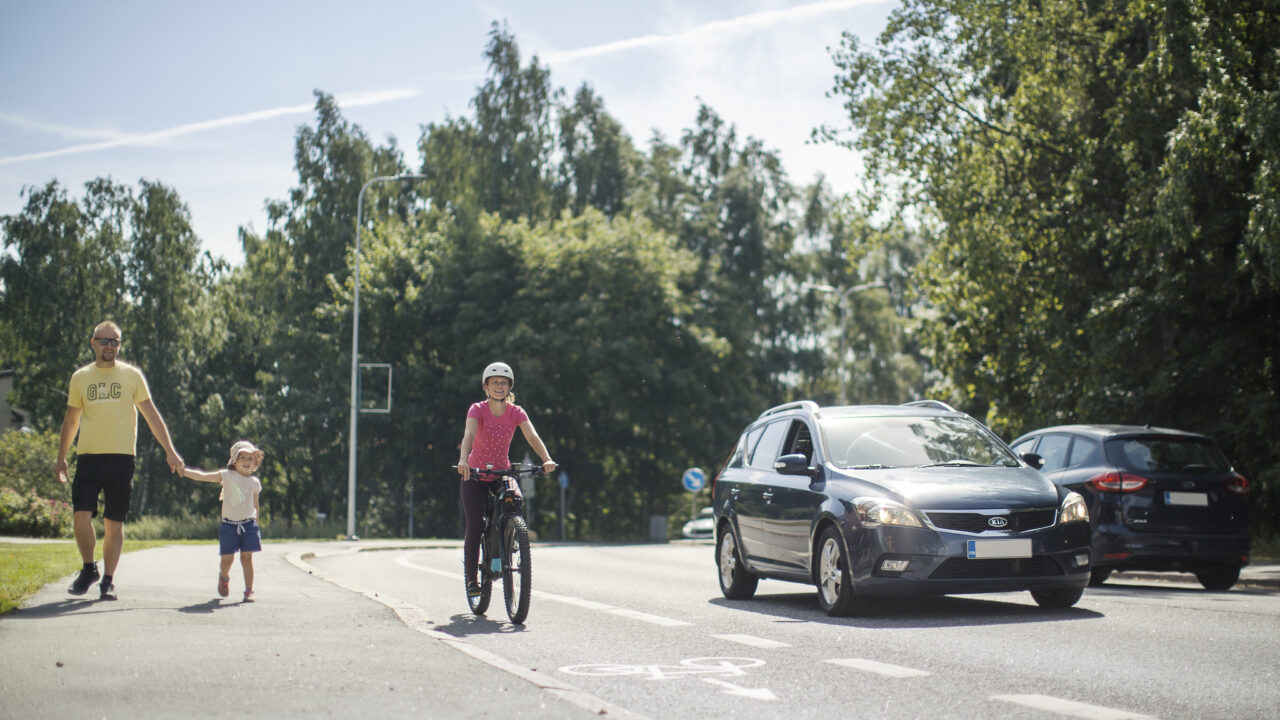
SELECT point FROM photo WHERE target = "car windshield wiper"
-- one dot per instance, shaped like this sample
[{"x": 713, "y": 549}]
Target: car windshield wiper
[
  {"x": 954, "y": 463},
  {"x": 869, "y": 467}
]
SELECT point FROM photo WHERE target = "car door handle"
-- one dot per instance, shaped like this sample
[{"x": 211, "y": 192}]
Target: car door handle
[
  {"x": 767, "y": 495},
  {"x": 734, "y": 491}
]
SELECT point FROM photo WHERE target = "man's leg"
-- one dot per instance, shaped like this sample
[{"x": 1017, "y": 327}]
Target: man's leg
[
  {"x": 86, "y": 536},
  {"x": 112, "y": 544}
]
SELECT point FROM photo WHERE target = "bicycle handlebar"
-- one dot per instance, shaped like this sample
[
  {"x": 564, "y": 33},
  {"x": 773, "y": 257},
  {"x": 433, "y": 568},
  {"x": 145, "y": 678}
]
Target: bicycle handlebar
[{"x": 513, "y": 473}]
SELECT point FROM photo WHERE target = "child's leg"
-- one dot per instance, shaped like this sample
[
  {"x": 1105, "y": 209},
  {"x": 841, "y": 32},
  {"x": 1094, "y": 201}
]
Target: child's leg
[
  {"x": 225, "y": 563},
  {"x": 246, "y": 563}
]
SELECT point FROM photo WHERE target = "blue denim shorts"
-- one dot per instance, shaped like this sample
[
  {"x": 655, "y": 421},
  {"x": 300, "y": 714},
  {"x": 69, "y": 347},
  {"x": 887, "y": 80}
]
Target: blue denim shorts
[{"x": 243, "y": 536}]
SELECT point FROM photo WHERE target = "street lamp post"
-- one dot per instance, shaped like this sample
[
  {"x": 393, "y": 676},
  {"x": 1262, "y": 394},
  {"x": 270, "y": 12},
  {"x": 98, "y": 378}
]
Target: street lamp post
[
  {"x": 355, "y": 355},
  {"x": 842, "y": 303}
]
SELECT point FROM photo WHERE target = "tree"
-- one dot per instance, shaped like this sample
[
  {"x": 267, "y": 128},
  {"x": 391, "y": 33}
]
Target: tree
[{"x": 1100, "y": 175}]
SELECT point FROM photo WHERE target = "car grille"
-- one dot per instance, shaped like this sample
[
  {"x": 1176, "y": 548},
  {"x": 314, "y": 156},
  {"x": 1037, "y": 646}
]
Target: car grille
[
  {"x": 963, "y": 569},
  {"x": 1020, "y": 521}
]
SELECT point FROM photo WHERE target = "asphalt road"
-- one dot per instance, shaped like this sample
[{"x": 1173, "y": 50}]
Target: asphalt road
[{"x": 637, "y": 631}]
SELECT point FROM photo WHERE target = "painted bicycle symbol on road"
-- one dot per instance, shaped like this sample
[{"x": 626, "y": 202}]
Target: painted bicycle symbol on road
[
  {"x": 709, "y": 669},
  {"x": 722, "y": 666}
]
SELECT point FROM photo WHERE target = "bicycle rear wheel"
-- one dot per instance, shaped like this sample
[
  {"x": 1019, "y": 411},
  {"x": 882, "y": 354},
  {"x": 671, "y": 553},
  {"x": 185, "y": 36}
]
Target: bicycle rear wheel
[{"x": 517, "y": 570}]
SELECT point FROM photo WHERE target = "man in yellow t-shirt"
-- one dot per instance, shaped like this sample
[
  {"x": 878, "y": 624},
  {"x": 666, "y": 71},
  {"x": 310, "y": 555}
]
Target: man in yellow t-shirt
[{"x": 103, "y": 405}]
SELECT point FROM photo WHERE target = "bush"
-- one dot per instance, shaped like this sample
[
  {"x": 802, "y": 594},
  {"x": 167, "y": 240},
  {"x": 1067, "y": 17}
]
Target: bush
[
  {"x": 30, "y": 515},
  {"x": 27, "y": 460}
]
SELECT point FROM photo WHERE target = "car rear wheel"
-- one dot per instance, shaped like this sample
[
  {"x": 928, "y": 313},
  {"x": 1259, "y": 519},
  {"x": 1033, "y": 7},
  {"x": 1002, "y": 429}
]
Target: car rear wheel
[
  {"x": 1057, "y": 598},
  {"x": 835, "y": 586},
  {"x": 735, "y": 581},
  {"x": 1218, "y": 577},
  {"x": 1098, "y": 576}
]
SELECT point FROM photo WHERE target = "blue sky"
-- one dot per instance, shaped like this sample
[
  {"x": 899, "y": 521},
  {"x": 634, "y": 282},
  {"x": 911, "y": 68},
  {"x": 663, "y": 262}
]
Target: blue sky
[{"x": 207, "y": 97}]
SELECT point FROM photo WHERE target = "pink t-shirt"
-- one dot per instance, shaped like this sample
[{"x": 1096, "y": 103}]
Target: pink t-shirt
[{"x": 493, "y": 435}]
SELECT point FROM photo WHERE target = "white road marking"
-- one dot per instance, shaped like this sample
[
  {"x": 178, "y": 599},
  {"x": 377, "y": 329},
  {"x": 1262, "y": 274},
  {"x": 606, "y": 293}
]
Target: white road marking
[
  {"x": 753, "y": 641},
  {"x": 731, "y": 689},
  {"x": 879, "y": 668},
  {"x": 1071, "y": 708},
  {"x": 566, "y": 599}
]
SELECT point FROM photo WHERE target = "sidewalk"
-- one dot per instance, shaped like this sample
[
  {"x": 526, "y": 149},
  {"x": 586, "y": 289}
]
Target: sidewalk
[{"x": 171, "y": 648}]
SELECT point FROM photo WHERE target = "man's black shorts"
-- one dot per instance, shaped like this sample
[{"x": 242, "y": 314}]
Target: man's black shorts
[{"x": 110, "y": 475}]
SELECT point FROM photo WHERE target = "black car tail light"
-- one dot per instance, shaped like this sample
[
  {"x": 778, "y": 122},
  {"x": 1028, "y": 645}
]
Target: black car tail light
[
  {"x": 1117, "y": 482},
  {"x": 1238, "y": 485}
]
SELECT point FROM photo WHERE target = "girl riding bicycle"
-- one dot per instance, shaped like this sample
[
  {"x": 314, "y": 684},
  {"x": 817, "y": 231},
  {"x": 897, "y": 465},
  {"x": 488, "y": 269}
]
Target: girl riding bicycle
[{"x": 491, "y": 423}]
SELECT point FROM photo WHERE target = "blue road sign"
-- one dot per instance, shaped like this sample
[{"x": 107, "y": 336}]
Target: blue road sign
[
  {"x": 564, "y": 479},
  {"x": 693, "y": 479}
]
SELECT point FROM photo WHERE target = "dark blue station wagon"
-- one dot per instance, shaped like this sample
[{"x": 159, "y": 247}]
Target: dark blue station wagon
[{"x": 892, "y": 500}]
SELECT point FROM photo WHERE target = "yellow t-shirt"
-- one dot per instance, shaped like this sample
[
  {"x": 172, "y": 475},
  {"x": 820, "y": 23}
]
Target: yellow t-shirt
[{"x": 109, "y": 400}]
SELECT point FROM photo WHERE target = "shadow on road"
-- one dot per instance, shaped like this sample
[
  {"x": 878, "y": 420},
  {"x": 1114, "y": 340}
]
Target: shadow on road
[
  {"x": 467, "y": 624},
  {"x": 207, "y": 606},
  {"x": 909, "y": 612}
]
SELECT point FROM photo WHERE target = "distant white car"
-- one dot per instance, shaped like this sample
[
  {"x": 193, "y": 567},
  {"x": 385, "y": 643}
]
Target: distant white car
[{"x": 703, "y": 526}]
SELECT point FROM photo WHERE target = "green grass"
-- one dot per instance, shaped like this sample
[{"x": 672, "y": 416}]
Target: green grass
[{"x": 27, "y": 567}]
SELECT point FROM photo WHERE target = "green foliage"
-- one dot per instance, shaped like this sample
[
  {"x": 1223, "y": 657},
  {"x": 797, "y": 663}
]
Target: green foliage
[
  {"x": 29, "y": 515},
  {"x": 26, "y": 463},
  {"x": 1102, "y": 180}
]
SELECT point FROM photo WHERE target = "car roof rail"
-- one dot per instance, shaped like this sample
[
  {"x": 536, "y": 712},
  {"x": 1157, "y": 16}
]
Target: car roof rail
[
  {"x": 807, "y": 405},
  {"x": 932, "y": 404}
]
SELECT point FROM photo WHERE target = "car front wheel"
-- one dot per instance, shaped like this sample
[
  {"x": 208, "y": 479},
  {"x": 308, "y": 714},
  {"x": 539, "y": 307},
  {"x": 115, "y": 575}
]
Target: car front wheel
[
  {"x": 1057, "y": 599},
  {"x": 1218, "y": 577},
  {"x": 735, "y": 581},
  {"x": 835, "y": 586}
]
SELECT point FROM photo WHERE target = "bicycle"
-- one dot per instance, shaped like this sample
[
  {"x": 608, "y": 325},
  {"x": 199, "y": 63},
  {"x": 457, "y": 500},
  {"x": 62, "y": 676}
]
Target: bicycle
[{"x": 504, "y": 544}]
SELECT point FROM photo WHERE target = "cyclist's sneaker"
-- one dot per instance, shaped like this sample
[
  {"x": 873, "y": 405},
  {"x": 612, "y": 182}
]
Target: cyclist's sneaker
[
  {"x": 87, "y": 577},
  {"x": 473, "y": 591},
  {"x": 107, "y": 590}
]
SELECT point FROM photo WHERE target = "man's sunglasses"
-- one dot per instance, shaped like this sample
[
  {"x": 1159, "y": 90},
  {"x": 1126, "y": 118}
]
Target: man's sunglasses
[{"x": 107, "y": 342}]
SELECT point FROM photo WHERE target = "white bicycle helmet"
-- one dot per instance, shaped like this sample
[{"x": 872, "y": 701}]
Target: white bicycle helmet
[{"x": 498, "y": 369}]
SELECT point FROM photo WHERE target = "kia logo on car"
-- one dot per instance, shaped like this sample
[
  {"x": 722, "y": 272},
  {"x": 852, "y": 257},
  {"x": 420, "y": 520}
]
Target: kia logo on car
[{"x": 998, "y": 522}]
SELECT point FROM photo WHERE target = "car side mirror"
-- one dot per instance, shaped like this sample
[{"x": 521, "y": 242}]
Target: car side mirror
[
  {"x": 795, "y": 464},
  {"x": 1033, "y": 460}
]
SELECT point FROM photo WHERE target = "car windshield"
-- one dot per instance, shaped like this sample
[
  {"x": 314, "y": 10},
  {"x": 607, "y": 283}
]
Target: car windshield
[
  {"x": 911, "y": 441},
  {"x": 1166, "y": 454}
]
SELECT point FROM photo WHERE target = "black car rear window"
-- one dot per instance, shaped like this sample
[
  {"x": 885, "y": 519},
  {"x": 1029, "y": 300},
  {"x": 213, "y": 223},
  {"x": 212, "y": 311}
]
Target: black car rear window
[
  {"x": 911, "y": 441},
  {"x": 1166, "y": 454}
]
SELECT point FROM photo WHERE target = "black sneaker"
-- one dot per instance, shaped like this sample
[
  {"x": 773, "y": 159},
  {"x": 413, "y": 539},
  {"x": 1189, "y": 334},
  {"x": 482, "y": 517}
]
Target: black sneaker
[
  {"x": 473, "y": 591},
  {"x": 82, "y": 582},
  {"x": 107, "y": 590}
]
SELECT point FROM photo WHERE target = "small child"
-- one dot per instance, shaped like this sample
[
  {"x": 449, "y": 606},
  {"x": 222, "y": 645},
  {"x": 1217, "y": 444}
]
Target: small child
[{"x": 239, "y": 528}]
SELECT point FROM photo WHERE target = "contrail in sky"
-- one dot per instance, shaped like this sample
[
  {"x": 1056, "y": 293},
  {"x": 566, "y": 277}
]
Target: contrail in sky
[
  {"x": 738, "y": 25},
  {"x": 353, "y": 100}
]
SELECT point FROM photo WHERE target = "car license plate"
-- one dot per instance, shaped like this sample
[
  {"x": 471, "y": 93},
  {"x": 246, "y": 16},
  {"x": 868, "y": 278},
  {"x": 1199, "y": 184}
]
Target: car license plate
[
  {"x": 1185, "y": 498},
  {"x": 981, "y": 549}
]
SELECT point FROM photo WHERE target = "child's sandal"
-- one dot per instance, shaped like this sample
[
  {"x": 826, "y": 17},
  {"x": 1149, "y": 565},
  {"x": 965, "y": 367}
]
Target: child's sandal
[{"x": 248, "y": 596}]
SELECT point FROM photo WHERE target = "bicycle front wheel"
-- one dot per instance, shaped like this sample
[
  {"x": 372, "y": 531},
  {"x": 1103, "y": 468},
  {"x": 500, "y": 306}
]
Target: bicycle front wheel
[{"x": 517, "y": 569}]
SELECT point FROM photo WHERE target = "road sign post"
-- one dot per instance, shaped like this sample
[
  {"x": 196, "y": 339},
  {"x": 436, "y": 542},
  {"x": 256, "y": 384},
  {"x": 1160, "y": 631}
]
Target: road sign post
[
  {"x": 693, "y": 480},
  {"x": 564, "y": 485}
]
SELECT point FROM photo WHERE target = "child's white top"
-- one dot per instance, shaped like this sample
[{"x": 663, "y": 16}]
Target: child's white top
[{"x": 237, "y": 495}]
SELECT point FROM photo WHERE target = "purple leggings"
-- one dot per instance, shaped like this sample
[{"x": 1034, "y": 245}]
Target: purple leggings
[{"x": 473, "y": 494}]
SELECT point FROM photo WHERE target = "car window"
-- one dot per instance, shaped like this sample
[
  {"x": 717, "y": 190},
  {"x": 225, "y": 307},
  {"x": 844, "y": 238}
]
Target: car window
[
  {"x": 1053, "y": 448},
  {"x": 1081, "y": 449},
  {"x": 911, "y": 441},
  {"x": 766, "y": 451},
  {"x": 800, "y": 440},
  {"x": 1166, "y": 454},
  {"x": 746, "y": 446},
  {"x": 1024, "y": 446}
]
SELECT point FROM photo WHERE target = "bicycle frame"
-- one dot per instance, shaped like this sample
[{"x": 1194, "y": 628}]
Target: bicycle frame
[{"x": 504, "y": 545}]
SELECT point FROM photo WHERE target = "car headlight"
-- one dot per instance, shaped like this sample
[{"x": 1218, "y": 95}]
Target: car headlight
[
  {"x": 874, "y": 512},
  {"x": 1074, "y": 509}
]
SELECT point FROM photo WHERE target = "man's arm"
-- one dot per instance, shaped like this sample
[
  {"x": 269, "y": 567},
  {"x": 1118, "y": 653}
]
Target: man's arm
[
  {"x": 161, "y": 433},
  {"x": 70, "y": 424}
]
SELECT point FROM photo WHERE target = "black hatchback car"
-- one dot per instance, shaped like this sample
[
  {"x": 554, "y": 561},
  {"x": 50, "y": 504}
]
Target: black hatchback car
[
  {"x": 892, "y": 500},
  {"x": 1158, "y": 499}
]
